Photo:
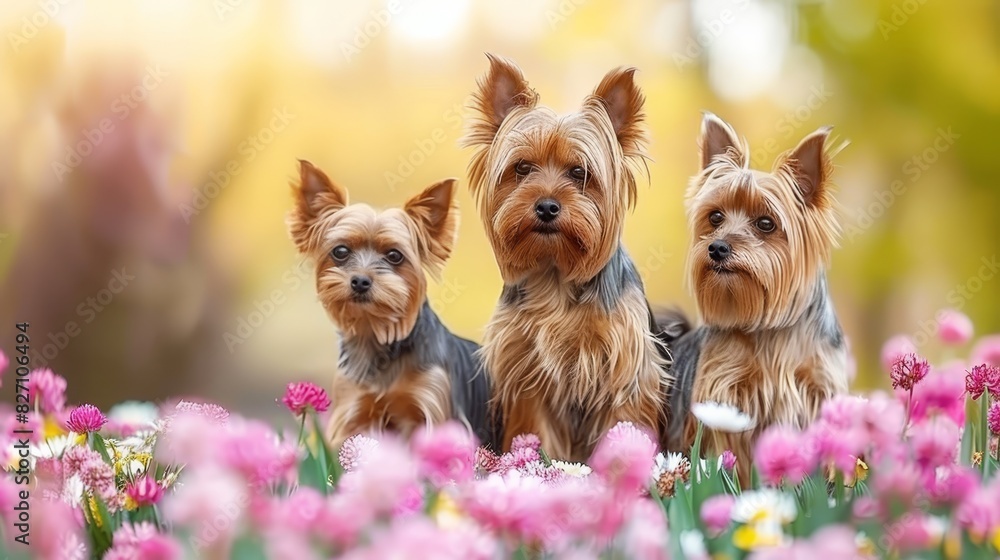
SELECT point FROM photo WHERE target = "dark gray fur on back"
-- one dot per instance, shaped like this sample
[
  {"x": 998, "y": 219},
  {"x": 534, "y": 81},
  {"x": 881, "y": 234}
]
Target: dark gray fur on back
[
  {"x": 686, "y": 351},
  {"x": 429, "y": 344}
]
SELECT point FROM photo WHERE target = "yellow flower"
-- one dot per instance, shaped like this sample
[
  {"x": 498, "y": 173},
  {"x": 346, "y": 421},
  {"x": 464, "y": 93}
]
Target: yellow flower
[
  {"x": 130, "y": 504},
  {"x": 95, "y": 514},
  {"x": 445, "y": 512},
  {"x": 750, "y": 537},
  {"x": 996, "y": 539},
  {"x": 51, "y": 428}
]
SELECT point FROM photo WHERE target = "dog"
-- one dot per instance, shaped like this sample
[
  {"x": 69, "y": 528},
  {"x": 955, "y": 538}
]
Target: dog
[
  {"x": 401, "y": 369},
  {"x": 569, "y": 348},
  {"x": 770, "y": 343}
]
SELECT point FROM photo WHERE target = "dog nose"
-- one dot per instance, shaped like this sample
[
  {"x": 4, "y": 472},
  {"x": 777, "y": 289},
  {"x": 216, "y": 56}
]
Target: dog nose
[
  {"x": 719, "y": 250},
  {"x": 361, "y": 284},
  {"x": 547, "y": 209}
]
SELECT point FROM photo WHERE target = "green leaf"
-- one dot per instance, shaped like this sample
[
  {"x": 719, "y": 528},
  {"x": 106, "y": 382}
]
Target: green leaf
[
  {"x": 100, "y": 536},
  {"x": 97, "y": 442},
  {"x": 311, "y": 475},
  {"x": 331, "y": 464},
  {"x": 969, "y": 434},
  {"x": 546, "y": 460},
  {"x": 247, "y": 548}
]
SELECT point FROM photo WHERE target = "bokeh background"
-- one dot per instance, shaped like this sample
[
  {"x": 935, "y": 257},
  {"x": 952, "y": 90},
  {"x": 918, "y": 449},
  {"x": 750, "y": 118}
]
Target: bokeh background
[{"x": 146, "y": 149}]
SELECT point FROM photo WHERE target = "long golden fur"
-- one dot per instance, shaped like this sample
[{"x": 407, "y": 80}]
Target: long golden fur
[
  {"x": 569, "y": 347},
  {"x": 770, "y": 344},
  {"x": 400, "y": 369}
]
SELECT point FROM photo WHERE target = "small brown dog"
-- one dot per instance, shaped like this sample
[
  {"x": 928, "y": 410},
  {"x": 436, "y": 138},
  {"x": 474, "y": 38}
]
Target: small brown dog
[
  {"x": 569, "y": 348},
  {"x": 400, "y": 367},
  {"x": 770, "y": 343}
]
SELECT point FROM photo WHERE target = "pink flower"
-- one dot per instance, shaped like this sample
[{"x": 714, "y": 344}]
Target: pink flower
[
  {"x": 625, "y": 458},
  {"x": 300, "y": 397},
  {"x": 715, "y": 512},
  {"x": 526, "y": 441},
  {"x": 901, "y": 485},
  {"x": 645, "y": 536},
  {"x": 983, "y": 378},
  {"x": 783, "y": 454},
  {"x": 833, "y": 541},
  {"x": 954, "y": 327},
  {"x": 98, "y": 477},
  {"x": 254, "y": 449},
  {"x": 388, "y": 473},
  {"x": 987, "y": 351},
  {"x": 895, "y": 348},
  {"x": 980, "y": 512},
  {"x": 48, "y": 390},
  {"x": 356, "y": 451},
  {"x": 941, "y": 392},
  {"x": 76, "y": 456},
  {"x": 85, "y": 419},
  {"x": 935, "y": 443},
  {"x": 141, "y": 540},
  {"x": 728, "y": 460},
  {"x": 838, "y": 446},
  {"x": 446, "y": 453},
  {"x": 208, "y": 493},
  {"x": 993, "y": 418},
  {"x": 209, "y": 411},
  {"x": 907, "y": 371},
  {"x": 953, "y": 484},
  {"x": 144, "y": 491}
]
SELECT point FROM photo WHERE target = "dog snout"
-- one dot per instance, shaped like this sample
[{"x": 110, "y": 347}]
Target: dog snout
[
  {"x": 719, "y": 250},
  {"x": 361, "y": 283},
  {"x": 547, "y": 209}
]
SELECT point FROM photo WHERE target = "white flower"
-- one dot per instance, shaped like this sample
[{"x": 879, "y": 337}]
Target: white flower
[
  {"x": 722, "y": 417},
  {"x": 578, "y": 470},
  {"x": 667, "y": 463},
  {"x": 693, "y": 544},
  {"x": 134, "y": 414},
  {"x": 765, "y": 505},
  {"x": 53, "y": 447}
]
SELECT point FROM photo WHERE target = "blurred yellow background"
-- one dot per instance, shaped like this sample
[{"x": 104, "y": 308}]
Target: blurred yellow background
[{"x": 147, "y": 148}]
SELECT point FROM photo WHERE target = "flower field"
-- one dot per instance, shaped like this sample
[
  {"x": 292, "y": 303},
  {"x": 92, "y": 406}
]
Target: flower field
[{"x": 903, "y": 474}]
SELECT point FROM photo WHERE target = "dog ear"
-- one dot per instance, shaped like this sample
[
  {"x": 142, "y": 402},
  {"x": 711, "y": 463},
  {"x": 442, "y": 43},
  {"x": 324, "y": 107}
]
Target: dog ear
[
  {"x": 809, "y": 164},
  {"x": 717, "y": 138},
  {"x": 499, "y": 92},
  {"x": 314, "y": 196},
  {"x": 435, "y": 213},
  {"x": 623, "y": 101}
]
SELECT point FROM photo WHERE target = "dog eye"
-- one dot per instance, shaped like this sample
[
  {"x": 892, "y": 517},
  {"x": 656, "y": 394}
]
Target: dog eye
[
  {"x": 716, "y": 218},
  {"x": 522, "y": 168},
  {"x": 578, "y": 174},
  {"x": 765, "y": 224},
  {"x": 394, "y": 257},
  {"x": 340, "y": 253}
]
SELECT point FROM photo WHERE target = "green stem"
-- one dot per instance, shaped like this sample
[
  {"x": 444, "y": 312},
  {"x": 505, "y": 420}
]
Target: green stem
[
  {"x": 696, "y": 452},
  {"x": 984, "y": 431},
  {"x": 909, "y": 409},
  {"x": 302, "y": 428}
]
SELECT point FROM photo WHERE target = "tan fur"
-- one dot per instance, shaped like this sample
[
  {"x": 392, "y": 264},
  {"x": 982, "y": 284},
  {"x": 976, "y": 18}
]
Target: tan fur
[
  {"x": 415, "y": 400},
  {"x": 562, "y": 365},
  {"x": 763, "y": 353},
  {"x": 424, "y": 231}
]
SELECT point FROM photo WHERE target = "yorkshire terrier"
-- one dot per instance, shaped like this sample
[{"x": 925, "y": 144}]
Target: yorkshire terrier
[
  {"x": 569, "y": 348},
  {"x": 400, "y": 368},
  {"x": 770, "y": 343}
]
